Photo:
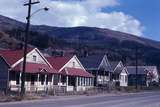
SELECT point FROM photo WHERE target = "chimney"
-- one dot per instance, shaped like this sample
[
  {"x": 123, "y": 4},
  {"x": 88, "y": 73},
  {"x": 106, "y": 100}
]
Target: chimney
[
  {"x": 62, "y": 53},
  {"x": 20, "y": 46},
  {"x": 85, "y": 53}
]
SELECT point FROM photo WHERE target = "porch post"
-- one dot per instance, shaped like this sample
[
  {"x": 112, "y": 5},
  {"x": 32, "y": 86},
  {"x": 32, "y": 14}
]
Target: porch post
[
  {"x": 60, "y": 78},
  {"x": 96, "y": 78},
  {"x": 20, "y": 76},
  {"x": 104, "y": 77},
  {"x": 110, "y": 76},
  {"x": 37, "y": 81},
  {"x": 80, "y": 83},
  {"x": 87, "y": 81},
  {"x": 52, "y": 82},
  {"x": 83, "y": 81},
  {"x": 67, "y": 83},
  {"x": 77, "y": 83},
  {"x": 45, "y": 81},
  {"x": 92, "y": 81}
]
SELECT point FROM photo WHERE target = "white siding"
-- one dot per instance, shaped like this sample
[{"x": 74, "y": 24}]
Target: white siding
[
  {"x": 155, "y": 72},
  {"x": 74, "y": 63},
  {"x": 39, "y": 59},
  {"x": 123, "y": 78}
]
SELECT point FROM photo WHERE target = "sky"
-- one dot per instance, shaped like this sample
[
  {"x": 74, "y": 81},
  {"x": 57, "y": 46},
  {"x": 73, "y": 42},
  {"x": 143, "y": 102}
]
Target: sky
[{"x": 138, "y": 17}]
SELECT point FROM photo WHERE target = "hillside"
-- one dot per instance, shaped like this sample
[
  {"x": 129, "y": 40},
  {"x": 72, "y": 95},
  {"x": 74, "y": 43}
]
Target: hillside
[{"x": 117, "y": 45}]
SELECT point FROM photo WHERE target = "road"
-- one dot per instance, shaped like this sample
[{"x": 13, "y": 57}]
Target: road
[{"x": 148, "y": 99}]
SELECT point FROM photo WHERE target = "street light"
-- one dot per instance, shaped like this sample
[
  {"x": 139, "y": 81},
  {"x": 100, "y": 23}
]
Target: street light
[
  {"x": 26, "y": 41},
  {"x": 45, "y": 9}
]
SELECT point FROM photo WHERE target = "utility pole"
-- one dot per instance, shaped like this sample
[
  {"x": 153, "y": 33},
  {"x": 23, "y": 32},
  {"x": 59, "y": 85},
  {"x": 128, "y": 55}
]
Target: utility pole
[
  {"x": 136, "y": 67},
  {"x": 25, "y": 45}
]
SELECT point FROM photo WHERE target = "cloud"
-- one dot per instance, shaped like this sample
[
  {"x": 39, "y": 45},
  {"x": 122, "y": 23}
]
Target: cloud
[{"x": 71, "y": 13}]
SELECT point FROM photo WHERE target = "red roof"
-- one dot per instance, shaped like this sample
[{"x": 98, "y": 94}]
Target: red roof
[
  {"x": 11, "y": 56},
  {"x": 58, "y": 62},
  {"x": 76, "y": 72},
  {"x": 35, "y": 68}
]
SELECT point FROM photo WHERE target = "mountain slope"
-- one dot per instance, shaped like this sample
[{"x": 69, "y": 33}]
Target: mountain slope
[
  {"x": 82, "y": 33},
  {"x": 118, "y": 45}
]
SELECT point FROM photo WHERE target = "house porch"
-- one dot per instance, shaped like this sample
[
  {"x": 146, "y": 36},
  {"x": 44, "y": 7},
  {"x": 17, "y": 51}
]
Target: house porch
[
  {"x": 33, "y": 81},
  {"x": 76, "y": 79}
]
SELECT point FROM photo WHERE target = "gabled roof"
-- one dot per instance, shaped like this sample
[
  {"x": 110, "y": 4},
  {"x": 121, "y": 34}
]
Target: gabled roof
[
  {"x": 58, "y": 62},
  {"x": 114, "y": 64},
  {"x": 12, "y": 56},
  {"x": 118, "y": 70},
  {"x": 141, "y": 69},
  {"x": 105, "y": 65},
  {"x": 76, "y": 72},
  {"x": 150, "y": 68},
  {"x": 4, "y": 61},
  {"x": 92, "y": 61},
  {"x": 34, "y": 68}
]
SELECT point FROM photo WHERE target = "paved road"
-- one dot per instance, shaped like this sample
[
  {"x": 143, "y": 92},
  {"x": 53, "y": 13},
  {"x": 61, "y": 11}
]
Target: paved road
[{"x": 151, "y": 99}]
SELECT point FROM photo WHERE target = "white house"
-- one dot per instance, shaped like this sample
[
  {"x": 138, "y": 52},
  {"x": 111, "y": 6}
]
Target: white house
[
  {"x": 73, "y": 75},
  {"x": 39, "y": 72},
  {"x": 120, "y": 73},
  {"x": 99, "y": 66}
]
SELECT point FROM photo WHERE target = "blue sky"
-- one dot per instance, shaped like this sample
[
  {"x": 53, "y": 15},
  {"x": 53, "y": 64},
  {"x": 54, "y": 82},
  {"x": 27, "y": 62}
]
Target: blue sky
[
  {"x": 146, "y": 11},
  {"x": 138, "y": 17}
]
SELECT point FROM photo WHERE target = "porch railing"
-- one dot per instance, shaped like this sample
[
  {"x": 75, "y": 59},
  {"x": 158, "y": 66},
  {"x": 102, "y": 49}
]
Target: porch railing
[{"x": 32, "y": 88}]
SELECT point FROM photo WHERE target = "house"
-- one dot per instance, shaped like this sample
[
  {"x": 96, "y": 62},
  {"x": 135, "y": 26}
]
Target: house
[
  {"x": 99, "y": 66},
  {"x": 73, "y": 76},
  {"x": 120, "y": 73},
  {"x": 39, "y": 72},
  {"x": 4, "y": 67},
  {"x": 145, "y": 75}
]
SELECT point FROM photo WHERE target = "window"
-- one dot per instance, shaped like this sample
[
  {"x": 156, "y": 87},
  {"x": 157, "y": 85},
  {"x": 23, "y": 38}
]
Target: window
[
  {"x": 73, "y": 64},
  {"x": 34, "y": 58}
]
